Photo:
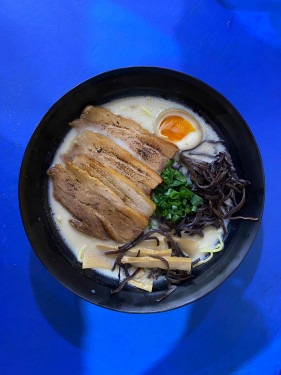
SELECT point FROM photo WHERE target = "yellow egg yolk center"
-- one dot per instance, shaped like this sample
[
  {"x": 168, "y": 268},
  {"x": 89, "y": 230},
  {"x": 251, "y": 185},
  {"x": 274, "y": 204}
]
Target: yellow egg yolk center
[{"x": 175, "y": 128}]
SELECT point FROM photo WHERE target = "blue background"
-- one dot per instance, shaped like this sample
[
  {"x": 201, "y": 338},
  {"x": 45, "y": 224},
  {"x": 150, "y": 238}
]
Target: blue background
[{"x": 48, "y": 47}]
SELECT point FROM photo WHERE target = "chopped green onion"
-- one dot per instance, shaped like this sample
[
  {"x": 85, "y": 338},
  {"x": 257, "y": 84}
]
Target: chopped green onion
[
  {"x": 173, "y": 198},
  {"x": 195, "y": 200}
]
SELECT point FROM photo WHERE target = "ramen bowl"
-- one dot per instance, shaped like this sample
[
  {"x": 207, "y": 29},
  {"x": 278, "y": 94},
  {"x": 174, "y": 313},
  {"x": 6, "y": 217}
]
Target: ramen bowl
[{"x": 35, "y": 210}]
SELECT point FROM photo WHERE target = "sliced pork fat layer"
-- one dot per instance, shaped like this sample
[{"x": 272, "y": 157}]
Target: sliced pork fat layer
[
  {"x": 104, "y": 150},
  {"x": 94, "y": 205},
  {"x": 152, "y": 150},
  {"x": 129, "y": 192}
]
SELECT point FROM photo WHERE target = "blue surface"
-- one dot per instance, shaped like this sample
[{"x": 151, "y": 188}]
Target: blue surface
[{"x": 49, "y": 47}]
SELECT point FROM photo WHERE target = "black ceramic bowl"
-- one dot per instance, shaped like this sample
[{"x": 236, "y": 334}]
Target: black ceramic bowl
[{"x": 33, "y": 185}]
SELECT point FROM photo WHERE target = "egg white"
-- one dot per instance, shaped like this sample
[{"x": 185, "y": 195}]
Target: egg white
[{"x": 192, "y": 139}]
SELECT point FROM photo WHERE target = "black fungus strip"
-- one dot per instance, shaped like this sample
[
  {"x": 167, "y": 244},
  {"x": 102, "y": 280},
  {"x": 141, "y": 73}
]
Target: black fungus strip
[
  {"x": 222, "y": 190},
  {"x": 124, "y": 281},
  {"x": 112, "y": 252},
  {"x": 176, "y": 250},
  {"x": 195, "y": 262},
  {"x": 162, "y": 260},
  {"x": 164, "y": 229},
  {"x": 236, "y": 208},
  {"x": 125, "y": 268},
  {"x": 244, "y": 218},
  {"x": 142, "y": 237},
  {"x": 170, "y": 290},
  {"x": 154, "y": 238},
  {"x": 178, "y": 277}
]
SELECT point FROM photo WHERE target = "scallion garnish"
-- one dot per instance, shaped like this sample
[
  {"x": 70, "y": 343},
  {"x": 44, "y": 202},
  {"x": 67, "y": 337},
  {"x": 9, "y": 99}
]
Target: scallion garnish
[{"x": 173, "y": 198}]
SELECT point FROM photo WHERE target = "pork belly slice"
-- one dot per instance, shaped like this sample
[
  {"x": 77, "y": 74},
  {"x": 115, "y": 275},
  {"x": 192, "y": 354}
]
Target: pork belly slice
[
  {"x": 128, "y": 191},
  {"x": 65, "y": 191},
  {"x": 149, "y": 148},
  {"x": 93, "y": 198},
  {"x": 100, "y": 148}
]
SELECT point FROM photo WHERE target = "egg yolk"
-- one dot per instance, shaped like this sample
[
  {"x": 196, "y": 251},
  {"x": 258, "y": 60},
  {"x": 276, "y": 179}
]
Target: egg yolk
[{"x": 175, "y": 128}]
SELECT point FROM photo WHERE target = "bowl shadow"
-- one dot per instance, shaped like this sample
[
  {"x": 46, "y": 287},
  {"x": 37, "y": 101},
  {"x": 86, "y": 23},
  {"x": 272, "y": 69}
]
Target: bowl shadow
[{"x": 60, "y": 307}]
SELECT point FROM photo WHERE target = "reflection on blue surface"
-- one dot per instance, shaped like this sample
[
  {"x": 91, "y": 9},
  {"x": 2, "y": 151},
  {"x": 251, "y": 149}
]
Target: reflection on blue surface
[
  {"x": 261, "y": 18},
  {"x": 47, "y": 48},
  {"x": 131, "y": 43}
]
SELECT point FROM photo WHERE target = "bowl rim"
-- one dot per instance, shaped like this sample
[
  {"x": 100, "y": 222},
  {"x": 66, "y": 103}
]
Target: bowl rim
[{"x": 110, "y": 74}]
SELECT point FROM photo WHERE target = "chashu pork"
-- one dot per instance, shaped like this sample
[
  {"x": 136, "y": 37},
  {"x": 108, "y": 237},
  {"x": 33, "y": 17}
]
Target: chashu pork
[
  {"x": 129, "y": 192},
  {"x": 97, "y": 209},
  {"x": 107, "y": 152},
  {"x": 64, "y": 191},
  {"x": 152, "y": 150}
]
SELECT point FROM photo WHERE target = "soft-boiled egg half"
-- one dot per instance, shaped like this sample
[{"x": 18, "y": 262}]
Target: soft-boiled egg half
[{"x": 179, "y": 127}]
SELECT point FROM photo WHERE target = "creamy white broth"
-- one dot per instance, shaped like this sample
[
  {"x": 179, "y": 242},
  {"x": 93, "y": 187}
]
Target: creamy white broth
[{"x": 143, "y": 110}]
